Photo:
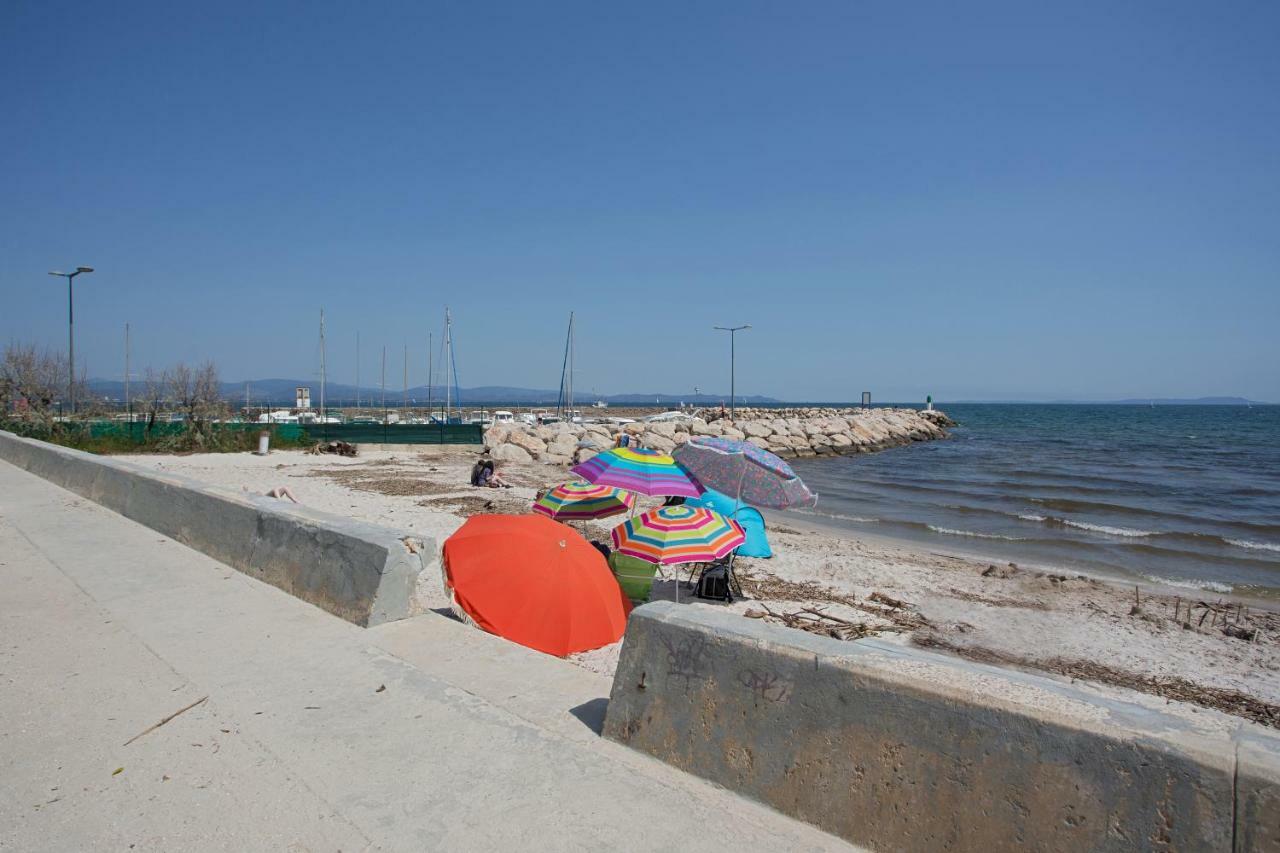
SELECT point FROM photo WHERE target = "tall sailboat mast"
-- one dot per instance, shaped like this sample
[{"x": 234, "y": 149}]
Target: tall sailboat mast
[
  {"x": 357, "y": 370},
  {"x": 323, "y": 377},
  {"x": 565, "y": 401},
  {"x": 404, "y": 399},
  {"x": 430, "y": 368},
  {"x": 127, "y": 408},
  {"x": 384, "y": 383},
  {"x": 448, "y": 364}
]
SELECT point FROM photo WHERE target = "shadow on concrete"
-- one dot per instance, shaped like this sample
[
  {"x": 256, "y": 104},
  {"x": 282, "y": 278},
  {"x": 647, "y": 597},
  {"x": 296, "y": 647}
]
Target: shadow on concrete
[{"x": 592, "y": 713}]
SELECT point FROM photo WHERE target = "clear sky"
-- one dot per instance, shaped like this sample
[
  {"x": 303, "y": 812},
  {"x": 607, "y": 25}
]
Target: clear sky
[{"x": 1010, "y": 200}]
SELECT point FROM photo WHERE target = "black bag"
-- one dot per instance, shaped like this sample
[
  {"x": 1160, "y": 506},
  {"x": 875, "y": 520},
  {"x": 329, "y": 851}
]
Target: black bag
[{"x": 714, "y": 584}]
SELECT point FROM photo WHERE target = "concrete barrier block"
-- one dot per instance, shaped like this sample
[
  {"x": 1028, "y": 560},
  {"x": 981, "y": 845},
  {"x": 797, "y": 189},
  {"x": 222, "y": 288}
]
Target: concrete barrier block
[
  {"x": 220, "y": 525},
  {"x": 360, "y": 572},
  {"x": 1257, "y": 794},
  {"x": 902, "y": 749}
]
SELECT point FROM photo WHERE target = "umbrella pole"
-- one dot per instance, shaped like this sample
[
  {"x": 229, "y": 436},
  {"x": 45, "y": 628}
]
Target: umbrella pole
[{"x": 737, "y": 504}]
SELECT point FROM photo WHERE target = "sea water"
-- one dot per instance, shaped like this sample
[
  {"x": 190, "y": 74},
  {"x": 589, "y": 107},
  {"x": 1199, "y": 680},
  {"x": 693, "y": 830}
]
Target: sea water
[{"x": 1184, "y": 495}]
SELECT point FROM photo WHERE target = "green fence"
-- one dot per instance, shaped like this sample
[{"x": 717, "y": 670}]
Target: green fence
[
  {"x": 398, "y": 433},
  {"x": 362, "y": 433},
  {"x": 137, "y": 430}
]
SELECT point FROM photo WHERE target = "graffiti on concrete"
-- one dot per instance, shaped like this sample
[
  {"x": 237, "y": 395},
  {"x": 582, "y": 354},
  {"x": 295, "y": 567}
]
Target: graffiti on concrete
[
  {"x": 688, "y": 659},
  {"x": 765, "y": 685}
]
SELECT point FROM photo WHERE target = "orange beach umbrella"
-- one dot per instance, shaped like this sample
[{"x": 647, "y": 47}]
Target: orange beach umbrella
[{"x": 535, "y": 582}]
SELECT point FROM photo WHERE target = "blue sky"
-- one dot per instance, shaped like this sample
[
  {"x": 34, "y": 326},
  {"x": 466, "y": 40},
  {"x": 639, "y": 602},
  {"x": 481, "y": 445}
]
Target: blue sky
[{"x": 1005, "y": 200}]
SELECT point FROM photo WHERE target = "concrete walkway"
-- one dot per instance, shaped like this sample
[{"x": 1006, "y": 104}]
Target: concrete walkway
[{"x": 316, "y": 735}]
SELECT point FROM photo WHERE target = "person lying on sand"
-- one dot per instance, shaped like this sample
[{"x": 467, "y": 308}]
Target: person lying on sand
[{"x": 281, "y": 492}]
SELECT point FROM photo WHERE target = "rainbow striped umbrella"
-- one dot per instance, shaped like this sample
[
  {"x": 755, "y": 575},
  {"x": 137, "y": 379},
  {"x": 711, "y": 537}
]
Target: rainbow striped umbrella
[
  {"x": 678, "y": 534},
  {"x": 646, "y": 472},
  {"x": 579, "y": 501}
]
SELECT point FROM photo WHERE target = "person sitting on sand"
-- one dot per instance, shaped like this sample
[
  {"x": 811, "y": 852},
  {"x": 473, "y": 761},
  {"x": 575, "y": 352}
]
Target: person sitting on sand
[
  {"x": 478, "y": 470},
  {"x": 493, "y": 479}
]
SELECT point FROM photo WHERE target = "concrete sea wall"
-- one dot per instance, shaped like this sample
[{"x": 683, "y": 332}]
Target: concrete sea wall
[
  {"x": 901, "y": 749},
  {"x": 360, "y": 572}
]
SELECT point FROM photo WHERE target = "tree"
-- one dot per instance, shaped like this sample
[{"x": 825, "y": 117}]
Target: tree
[
  {"x": 32, "y": 385},
  {"x": 195, "y": 392},
  {"x": 155, "y": 390}
]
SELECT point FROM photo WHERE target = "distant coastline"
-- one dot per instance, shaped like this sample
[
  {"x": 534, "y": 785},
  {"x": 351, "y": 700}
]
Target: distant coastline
[{"x": 270, "y": 391}]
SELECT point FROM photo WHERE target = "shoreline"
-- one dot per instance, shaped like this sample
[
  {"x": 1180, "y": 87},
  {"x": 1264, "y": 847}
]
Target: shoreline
[{"x": 817, "y": 524}]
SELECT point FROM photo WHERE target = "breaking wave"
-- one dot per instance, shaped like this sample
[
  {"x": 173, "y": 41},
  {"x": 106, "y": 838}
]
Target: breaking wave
[
  {"x": 1255, "y": 546},
  {"x": 950, "y": 531}
]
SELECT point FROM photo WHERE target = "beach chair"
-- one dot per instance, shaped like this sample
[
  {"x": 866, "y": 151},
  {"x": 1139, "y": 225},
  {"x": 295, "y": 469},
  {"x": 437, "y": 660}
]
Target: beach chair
[{"x": 634, "y": 575}]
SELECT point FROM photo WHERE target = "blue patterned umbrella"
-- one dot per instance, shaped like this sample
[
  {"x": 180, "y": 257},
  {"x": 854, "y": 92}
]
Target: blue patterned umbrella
[{"x": 755, "y": 476}]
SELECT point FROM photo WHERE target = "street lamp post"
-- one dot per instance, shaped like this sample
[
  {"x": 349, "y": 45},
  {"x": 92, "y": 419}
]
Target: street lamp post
[
  {"x": 733, "y": 357},
  {"x": 71, "y": 336}
]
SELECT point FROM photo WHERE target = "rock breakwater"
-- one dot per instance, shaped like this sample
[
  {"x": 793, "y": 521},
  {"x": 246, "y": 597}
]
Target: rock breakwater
[{"x": 789, "y": 433}]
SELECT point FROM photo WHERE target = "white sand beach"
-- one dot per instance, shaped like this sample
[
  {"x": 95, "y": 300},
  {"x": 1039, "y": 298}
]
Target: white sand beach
[{"x": 1224, "y": 654}]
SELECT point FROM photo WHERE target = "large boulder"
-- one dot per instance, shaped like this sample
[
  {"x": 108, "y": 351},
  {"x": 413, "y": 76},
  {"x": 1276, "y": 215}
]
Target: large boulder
[
  {"x": 496, "y": 435},
  {"x": 563, "y": 444},
  {"x": 841, "y": 440},
  {"x": 700, "y": 427},
  {"x": 835, "y": 426},
  {"x": 582, "y": 454},
  {"x": 510, "y": 453},
  {"x": 556, "y": 458},
  {"x": 732, "y": 432},
  {"x": 531, "y": 444},
  {"x": 762, "y": 443},
  {"x": 666, "y": 430},
  {"x": 757, "y": 429},
  {"x": 660, "y": 443}
]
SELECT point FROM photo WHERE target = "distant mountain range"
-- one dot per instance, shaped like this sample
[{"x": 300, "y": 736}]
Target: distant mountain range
[
  {"x": 282, "y": 391},
  {"x": 1136, "y": 401}
]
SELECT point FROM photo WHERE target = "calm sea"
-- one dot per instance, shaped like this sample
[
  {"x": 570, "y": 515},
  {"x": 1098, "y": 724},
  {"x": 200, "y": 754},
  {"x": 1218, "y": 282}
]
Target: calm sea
[{"x": 1188, "y": 495}]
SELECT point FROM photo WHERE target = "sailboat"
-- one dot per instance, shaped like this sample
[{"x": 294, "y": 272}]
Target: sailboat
[
  {"x": 564, "y": 404},
  {"x": 321, "y": 416},
  {"x": 451, "y": 389}
]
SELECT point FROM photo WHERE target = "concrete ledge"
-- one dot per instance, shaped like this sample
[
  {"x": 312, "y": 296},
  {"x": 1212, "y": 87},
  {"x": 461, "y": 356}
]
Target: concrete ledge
[
  {"x": 901, "y": 749},
  {"x": 364, "y": 573}
]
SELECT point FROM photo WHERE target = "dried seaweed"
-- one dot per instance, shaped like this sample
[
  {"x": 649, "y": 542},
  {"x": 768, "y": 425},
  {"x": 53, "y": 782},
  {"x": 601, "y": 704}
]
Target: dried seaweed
[
  {"x": 1168, "y": 687},
  {"x": 816, "y": 621},
  {"x": 764, "y": 586}
]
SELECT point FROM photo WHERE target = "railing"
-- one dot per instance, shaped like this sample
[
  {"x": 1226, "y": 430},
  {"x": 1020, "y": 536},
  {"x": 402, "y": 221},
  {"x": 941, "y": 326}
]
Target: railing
[{"x": 394, "y": 433}]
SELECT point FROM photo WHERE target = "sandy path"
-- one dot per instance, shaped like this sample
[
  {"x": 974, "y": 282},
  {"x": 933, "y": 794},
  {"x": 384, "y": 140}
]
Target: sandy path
[{"x": 1064, "y": 623}]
